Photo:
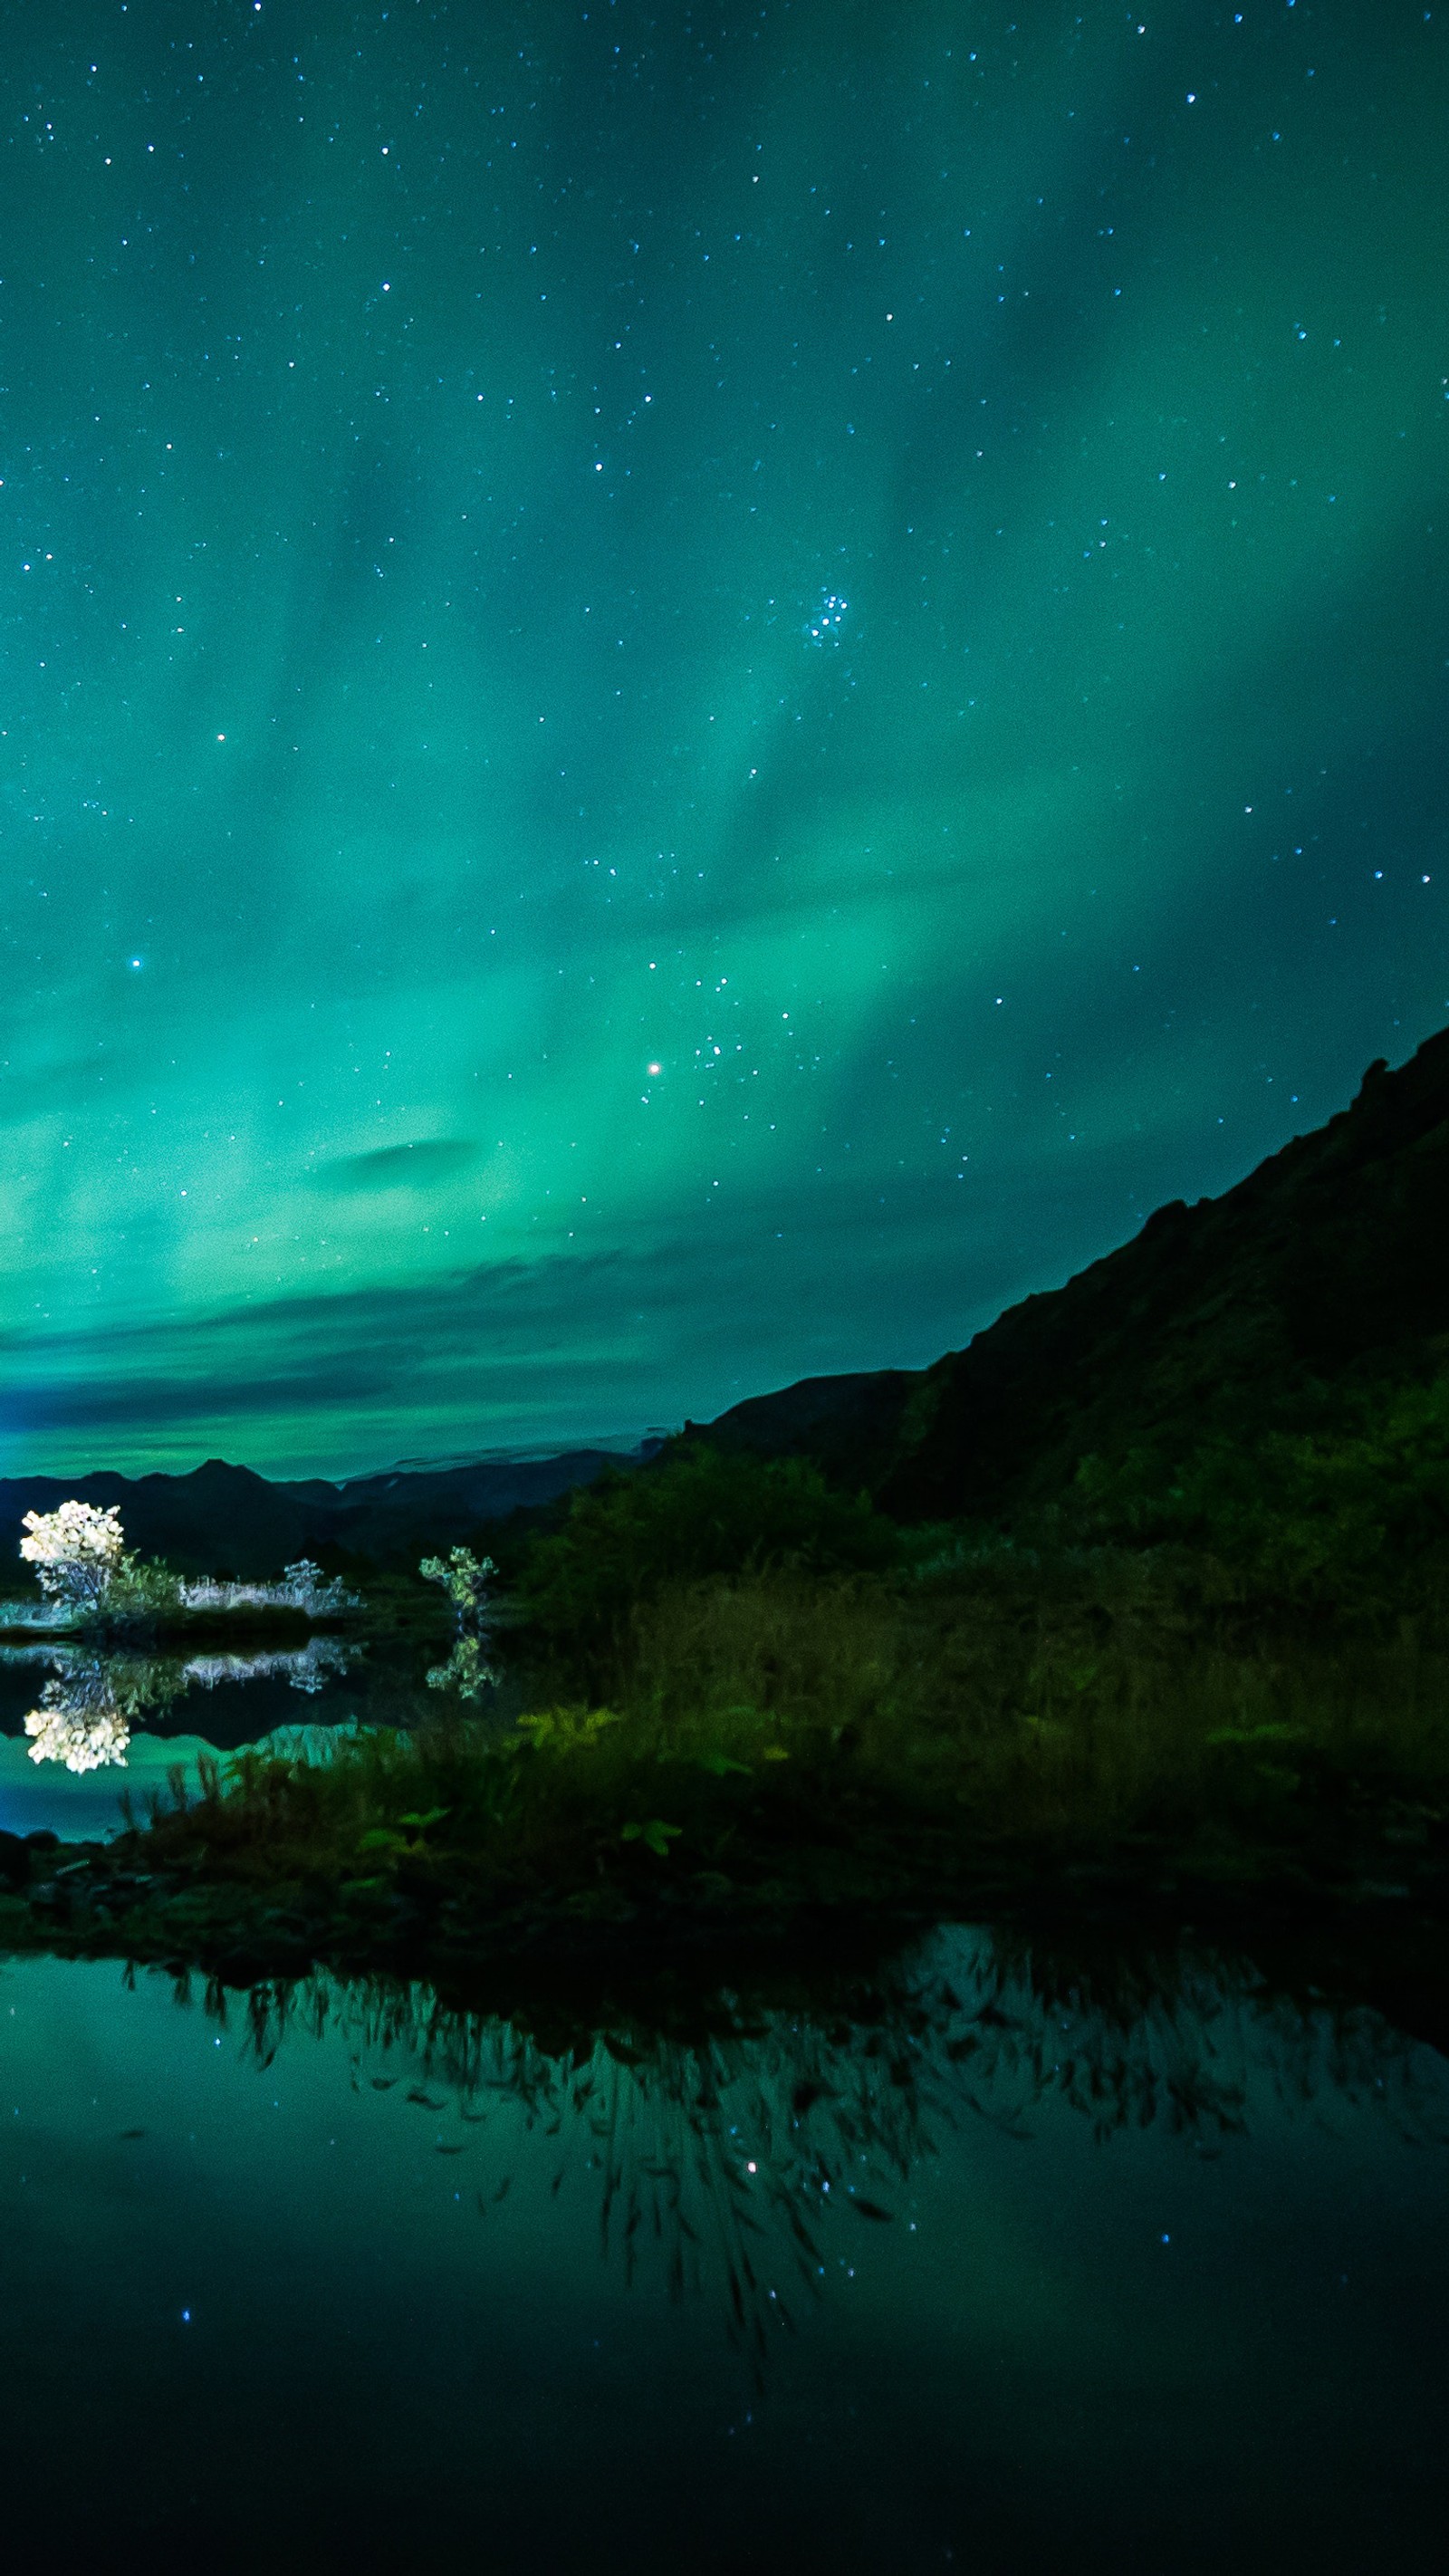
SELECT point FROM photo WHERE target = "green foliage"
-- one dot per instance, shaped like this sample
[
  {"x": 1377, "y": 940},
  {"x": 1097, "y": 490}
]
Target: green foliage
[
  {"x": 464, "y": 1577},
  {"x": 842, "y": 1736},
  {"x": 142, "y": 1589},
  {"x": 566, "y": 1730},
  {"x": 1352, "y": 1508},
  {"x": 655, "y": 1835},
  {"x": 403, "y": 1841},
  {"x": 700, "y": 1513},
  {"x": 467, "y": 1670}
]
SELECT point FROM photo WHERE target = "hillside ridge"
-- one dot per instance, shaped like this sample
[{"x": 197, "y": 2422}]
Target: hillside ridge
[{"x": 1327, "y": 1263}]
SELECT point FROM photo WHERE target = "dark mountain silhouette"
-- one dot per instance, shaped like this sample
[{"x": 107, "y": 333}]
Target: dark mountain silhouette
[
  {"x": 223, "y": 1519},
  {"x": 1324, "y": 1273},
  {"x": 850, "y": 1426}
]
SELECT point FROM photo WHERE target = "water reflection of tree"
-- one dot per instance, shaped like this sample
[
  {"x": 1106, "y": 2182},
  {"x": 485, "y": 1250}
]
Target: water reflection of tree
[
  {"x": 306, "y": 1668},
  {"x": 87, "y": 1710},
  {"x": 732, "y": 2150},
  {"x": 93, "y": 1701}
]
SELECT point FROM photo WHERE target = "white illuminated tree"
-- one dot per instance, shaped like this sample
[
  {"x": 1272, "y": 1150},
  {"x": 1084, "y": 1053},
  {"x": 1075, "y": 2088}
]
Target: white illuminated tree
[{"x": 76, "y": 1551}]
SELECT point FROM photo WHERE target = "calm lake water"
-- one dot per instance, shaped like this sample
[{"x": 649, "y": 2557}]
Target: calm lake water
[
  {"x": 985, "y": 2265},
  {"x": 79, "y": 1725}
]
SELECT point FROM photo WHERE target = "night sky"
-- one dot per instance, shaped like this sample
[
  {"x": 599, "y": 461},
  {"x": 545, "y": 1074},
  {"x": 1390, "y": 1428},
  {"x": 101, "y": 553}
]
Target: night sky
[{"x": 690, "y": 692}]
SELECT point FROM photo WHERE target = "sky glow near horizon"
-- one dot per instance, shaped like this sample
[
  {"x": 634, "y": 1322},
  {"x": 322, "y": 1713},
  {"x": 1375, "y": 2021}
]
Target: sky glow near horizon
[{"x": 692, "y": 693}]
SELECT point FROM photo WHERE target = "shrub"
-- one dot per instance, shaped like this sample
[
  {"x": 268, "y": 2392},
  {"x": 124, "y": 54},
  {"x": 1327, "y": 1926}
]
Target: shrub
[
  {"x": 699, "y": 1513},
  {"x": 465, "y": 1578},
  {"x": 1351, "y": 1508},
  {"x": 81, "y": 1560},
  {"x": 76, "y": 1552},
  {"x": 142, "y": 1589}
]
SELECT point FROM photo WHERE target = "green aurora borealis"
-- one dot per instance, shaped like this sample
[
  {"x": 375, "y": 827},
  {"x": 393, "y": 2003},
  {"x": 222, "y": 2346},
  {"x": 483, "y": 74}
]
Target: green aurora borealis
[{"x": 432, "y": 439}]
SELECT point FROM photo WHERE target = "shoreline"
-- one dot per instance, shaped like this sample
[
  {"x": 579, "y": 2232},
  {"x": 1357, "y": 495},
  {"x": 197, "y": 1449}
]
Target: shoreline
[{"x": 441, "y": 1923}]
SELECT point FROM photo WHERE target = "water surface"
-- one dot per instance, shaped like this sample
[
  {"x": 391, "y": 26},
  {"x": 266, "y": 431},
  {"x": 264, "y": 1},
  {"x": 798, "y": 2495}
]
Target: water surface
[
  {"x": 981, "y": 2262},
  {"x": 80, "y": 1723}
]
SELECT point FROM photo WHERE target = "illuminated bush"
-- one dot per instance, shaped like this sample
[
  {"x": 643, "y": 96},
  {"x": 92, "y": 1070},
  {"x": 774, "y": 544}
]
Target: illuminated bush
[{"x": 76, "y": 1551}]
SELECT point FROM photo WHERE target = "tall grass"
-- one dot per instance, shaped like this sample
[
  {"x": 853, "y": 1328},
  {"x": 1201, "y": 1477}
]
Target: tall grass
[
  {"x": 832, "y": 1735},
  {"x": 1083, "y": 1717}
]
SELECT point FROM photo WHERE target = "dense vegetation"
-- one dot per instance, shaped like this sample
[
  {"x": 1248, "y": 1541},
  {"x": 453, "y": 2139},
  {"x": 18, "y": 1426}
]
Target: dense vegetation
[
  {"x": 696, "y": 1514},
  {"x": 756, "y": 1700},
  {"x": 1344, "y": 1503}
]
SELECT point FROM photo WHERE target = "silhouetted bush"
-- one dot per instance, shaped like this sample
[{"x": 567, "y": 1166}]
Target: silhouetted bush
[
  {"x": 1351, "y": 1510},
  {"x": 699, "y": 1513}
]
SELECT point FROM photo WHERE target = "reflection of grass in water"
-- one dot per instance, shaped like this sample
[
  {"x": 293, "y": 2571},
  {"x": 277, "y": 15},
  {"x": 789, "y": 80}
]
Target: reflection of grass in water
[{"x": 731, "y": 2146}]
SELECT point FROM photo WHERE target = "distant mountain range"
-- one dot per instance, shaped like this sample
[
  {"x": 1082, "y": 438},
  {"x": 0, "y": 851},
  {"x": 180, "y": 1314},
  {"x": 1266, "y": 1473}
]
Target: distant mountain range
[
  {"x": 226, "y": 1520},
  {"x": 1327, "y": 1268}
]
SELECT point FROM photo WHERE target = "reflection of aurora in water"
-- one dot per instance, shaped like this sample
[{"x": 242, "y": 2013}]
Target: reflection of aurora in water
[
  {"x": 89, "y": 1707},
  {"x": 527, "y": 2266},
  {"x": 730, "y": 2159}
]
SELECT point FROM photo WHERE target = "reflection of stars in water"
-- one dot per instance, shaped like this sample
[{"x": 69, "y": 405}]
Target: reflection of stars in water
[{"x": 824, "y": 627}]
